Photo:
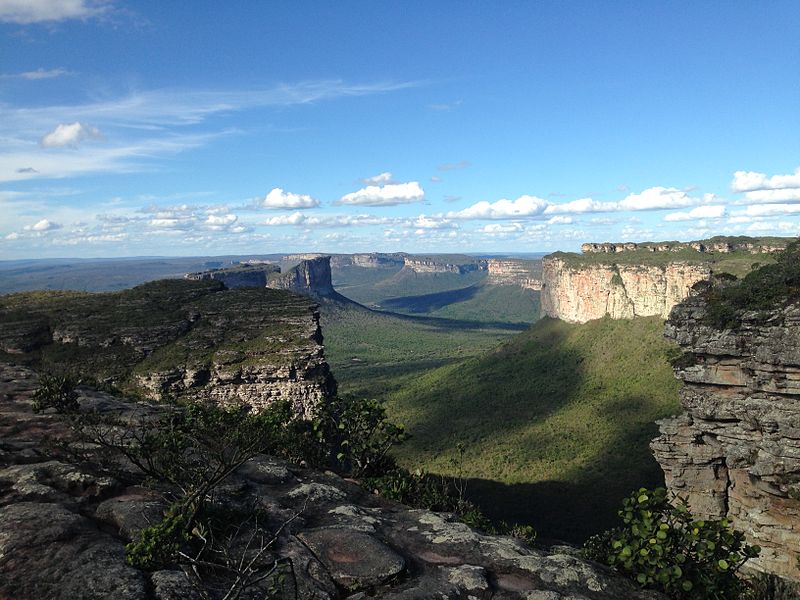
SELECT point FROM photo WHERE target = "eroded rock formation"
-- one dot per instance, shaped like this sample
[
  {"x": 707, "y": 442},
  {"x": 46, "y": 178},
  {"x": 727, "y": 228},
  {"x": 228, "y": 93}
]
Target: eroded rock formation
[
  {"x": 735, "y": 451},
  {"x": 580, "y": 293},
  {"x": 435, "y": 265},
  {"x": 720, "y": 244},
  {"x": 373, "y": 260},
  {"x": 253, "y": 275},
  {"x": 510, "y": 271},
  {"x": 176, "y": 338},
  {"x": 312, "y": 277},
  {"x": 63, "y": 528}
]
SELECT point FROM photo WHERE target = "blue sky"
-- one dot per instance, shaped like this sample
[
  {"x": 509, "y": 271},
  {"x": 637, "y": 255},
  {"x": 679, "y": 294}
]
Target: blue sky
[{"x": 185, "y": 128}]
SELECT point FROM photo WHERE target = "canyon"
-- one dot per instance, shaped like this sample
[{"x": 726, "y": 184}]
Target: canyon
[{"x": 735, "y": 450}]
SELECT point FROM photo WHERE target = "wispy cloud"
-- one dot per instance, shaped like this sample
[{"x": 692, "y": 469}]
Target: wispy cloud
[
  {"x": 699, "y": 212},
  {"x": 25, "y": 12},
  {"x": 38, "y": 74},
  {"x": 463, "y": 164},
  {"x": 379, "y": 179}
]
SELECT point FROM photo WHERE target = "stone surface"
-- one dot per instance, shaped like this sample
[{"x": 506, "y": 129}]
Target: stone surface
[
  {"x": 420, "y": 264},
  {"x": 344, "y": 539},
  {"x": 311, "y": 277},
  {"x": 526, "y": 274},
  {"x": 724, "y": 246},
  {"x": 735, "y": 451},
  {"x": 577, "y": 294}
]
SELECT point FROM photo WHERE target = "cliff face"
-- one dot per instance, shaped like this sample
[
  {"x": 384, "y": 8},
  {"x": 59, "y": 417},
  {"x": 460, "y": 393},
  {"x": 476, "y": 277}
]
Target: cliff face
[
  {"x": 238, "y": 277},
  {"x": 713, "y": 245},
  {"x": 508, "y": 271},
  {"x": 179, "y": 339},
  {"x": 735, "y": 451},
  {"x": 429, "y": 265},
  {"x": 581, "y": 293},
  {"x": 64, "y": 526},
  {"x": 311, "y": 277},
  {"x": 373, "y": 260}
]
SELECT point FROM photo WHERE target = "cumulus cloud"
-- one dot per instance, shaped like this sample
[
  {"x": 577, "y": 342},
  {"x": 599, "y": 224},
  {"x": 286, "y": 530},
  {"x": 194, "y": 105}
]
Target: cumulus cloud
[
  {"x": 301, "y": 220},
  {"x": 424, "y": 222},
  {"x": 749, "y": 181},
  {"x": 779, "y": 195},
  {"x": 380, "y": 179},
  {"x": 390, "y": 194},
  {"x": 69, "y": 135},
  {"x": 658, "y": 198},
  {"x": 42, "y": 226},
  {"x": 559, "y": 220},
  {"x": 216, "y": 221},
  {"x": 700, "y": 212},
  {"x": 279, "y": 199},
  {"x": 12, "y": 236},
  {"x": 524, "y": 206},
  {"x": 582, "y": 205},
  {"x": 769, "y": 210},
  {"x": 495, "y": 228},
  {"x": 25, "y": 12}
]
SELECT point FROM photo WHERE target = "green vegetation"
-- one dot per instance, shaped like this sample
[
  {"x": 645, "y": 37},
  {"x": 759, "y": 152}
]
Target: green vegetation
[
  {"x": 660, "y": 546},
  {"x": 556, "y": 422},
  {"x": 56, "y": 392},
  {"x": 762, "y": 290}
]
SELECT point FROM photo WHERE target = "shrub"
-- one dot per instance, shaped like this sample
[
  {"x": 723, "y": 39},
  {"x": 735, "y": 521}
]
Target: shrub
[
  {"x": 660, "y": 546},
  {"x": 57, "y": 392}
]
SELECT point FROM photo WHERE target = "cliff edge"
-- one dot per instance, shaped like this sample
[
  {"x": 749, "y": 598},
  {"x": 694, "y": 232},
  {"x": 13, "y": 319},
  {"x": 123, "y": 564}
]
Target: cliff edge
[{"x": 735, "y": 451}]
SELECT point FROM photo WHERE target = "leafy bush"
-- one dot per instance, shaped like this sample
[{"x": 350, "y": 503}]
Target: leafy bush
[
  {"x": 763, "y": 289},
  {"x": 661, "y": 547},
  {"x": 57, "y": 392}
]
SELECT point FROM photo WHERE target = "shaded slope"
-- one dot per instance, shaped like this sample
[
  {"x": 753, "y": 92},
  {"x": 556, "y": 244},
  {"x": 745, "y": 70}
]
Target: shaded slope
[{"x": 562, "y": 413}]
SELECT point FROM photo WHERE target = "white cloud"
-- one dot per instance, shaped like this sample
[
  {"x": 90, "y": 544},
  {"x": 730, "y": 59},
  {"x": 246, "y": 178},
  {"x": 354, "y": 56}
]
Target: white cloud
[
  {"x": 658, "y": 198},
  {"x": 700, "y": 212},
  {"x": 779, "y": 195},
  {"x": 69, "y": 135},
  {"x": 38, "y": 74},
  {"x": 502, "y": 228},
  {"x": 25, "y": 12},
  {"x": 220, "y": 221},
  {"x": 12, "y": 236},
  {"x": 768, "y": 210},
  {"x": 42, "y": 226},
  {"x": 423, "y": 222},
  {"x": 387, "y": 195},
  {"x": 381, "y": 178},
  {"x": 524, "y": 206},
  {"x": 582, "y": 205},
  {"x": 299, "y": 219},
  {"x": 779, "y": 227},
  {"x": 748, "y": 181},
  {"x": 279, "y": 199},
  {"x": 559, "y": 220}
]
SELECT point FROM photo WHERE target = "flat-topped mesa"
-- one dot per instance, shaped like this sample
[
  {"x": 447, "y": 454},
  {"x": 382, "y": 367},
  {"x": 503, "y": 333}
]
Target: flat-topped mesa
[
  {"x": 719, "y": 244},
  {"x": 421, "y": 264},
  {"x": 735, "y": 451},
  {"x": 177, "y": 339},
  {"x": 247, "y": 275},
  {"x": 577, "y": 294},
  {"x": 373, "y": 260},
  {"x": 512, "y": 271},
  {"x": 311, "y": 277}
]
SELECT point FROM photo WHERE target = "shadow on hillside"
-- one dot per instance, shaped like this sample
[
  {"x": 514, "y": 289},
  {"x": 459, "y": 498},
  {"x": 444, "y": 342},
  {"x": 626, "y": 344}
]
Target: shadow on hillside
[
  {"x": 429, "y": 302},
  {"x": 574, "y": 510}
]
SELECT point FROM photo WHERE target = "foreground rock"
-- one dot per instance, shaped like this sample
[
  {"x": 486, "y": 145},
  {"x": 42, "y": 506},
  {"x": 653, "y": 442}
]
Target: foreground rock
[
  {"x": 735, "y": 452},
  {"x": 63, "y": 530}
]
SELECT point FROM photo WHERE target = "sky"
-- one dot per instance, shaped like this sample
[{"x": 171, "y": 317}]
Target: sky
[{"x": 139, "y": 128}]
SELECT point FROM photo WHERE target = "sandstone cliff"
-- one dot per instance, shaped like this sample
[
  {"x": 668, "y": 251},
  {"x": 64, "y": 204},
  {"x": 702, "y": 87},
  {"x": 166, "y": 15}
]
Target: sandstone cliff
[
  {"x": 178, "y": 339},
  {"x": 312, "y": 277},
  {"x": 580, "y": 293},
  {"x": 255, "y": 275},
  {"x": 510, "y": 271},
  {"x": 373, "y": 260},
  {"x": 420, "y": 264},
  {"x": 719, "y": 244},
  {"x": 735, "y": 451},
  {"x": 64, "y": 525}
]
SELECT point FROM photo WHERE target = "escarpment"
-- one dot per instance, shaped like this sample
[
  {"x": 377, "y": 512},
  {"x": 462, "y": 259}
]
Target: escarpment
[
  {"x": 735, "y": 451},
  {"x": 181, "y": 339},
  {"x": 580, "y": 293},
  {"x": 255, "y": 275},
  {"x": 445, "y": 264},
  {"x": 64, "y": 525},
  {"x": 311, "y": 277},
  {"x": 510, "y": 271}
]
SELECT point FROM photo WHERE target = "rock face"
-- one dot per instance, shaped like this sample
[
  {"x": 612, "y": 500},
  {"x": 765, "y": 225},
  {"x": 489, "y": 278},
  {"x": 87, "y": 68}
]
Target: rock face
[
  {"x": 63, "y": 530},
  {"x": 179, "y": 339},
  {"x": 581, "y": 293},
  {"x": 238, "y": 277},
  {"x": 373, "y": 260},
  {"x": 735, "y": 451},
  {"x": 312, "y": 277},
  {"x": 510, "y": 271},
  {"x": 431, "y": 265},
  {"x": 719, "y": 244}
]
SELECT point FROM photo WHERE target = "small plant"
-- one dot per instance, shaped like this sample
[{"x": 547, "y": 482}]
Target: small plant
[
  {"x": 57, "y": 392},
  {"x": 660, "y": 546}
]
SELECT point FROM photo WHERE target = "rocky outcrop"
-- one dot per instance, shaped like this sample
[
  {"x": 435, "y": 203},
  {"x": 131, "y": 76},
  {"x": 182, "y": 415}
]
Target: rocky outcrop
[
  {"x": 735, "y": 451},
  {"x": 240, "y": 276},
  {"x": 580, "y": 293},
  {"x": 373, "y": 260},
  {"x": 311, "y": 277},
  {"x": 721, "y": 245},
  {"x": 420, "y": 264},
  {"x": 177, "y": 339},
  {"x": 63, "y": 528},
  {"x": 510, "y": 271}
]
